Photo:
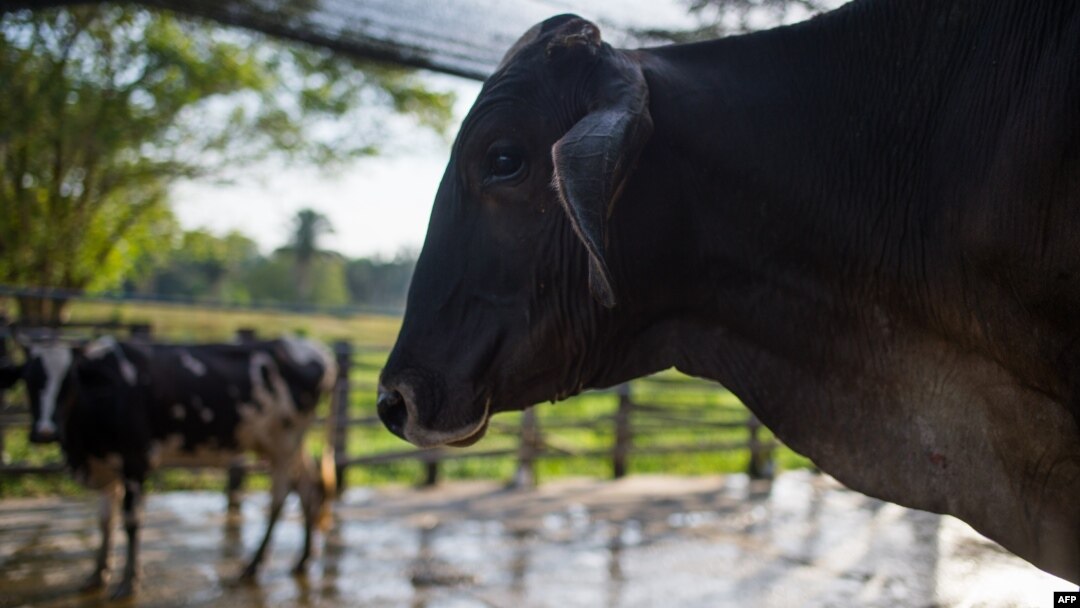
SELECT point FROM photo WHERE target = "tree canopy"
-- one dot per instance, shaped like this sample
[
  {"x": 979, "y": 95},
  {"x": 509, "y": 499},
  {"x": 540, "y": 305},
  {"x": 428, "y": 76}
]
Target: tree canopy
[
  {"x": 228, "y": 269},
  {"x": 308, "y": 227},
  {"x": 105, "y": 106}
]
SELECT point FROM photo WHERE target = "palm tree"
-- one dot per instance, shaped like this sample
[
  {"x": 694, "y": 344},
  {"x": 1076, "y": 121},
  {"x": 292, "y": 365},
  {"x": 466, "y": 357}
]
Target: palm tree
[{"x": 308, "y": 226}]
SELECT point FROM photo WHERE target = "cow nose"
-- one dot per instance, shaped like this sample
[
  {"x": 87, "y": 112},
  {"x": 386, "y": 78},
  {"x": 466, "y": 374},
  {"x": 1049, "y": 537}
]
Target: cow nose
[{"x": 392, "y": 411}]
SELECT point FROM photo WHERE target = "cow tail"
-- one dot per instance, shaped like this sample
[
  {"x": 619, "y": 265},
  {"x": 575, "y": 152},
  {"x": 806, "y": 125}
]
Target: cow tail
[{"x": 327, "y": 465}]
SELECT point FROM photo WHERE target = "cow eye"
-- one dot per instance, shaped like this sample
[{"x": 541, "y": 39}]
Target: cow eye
[{"x": 504, "y": 163}]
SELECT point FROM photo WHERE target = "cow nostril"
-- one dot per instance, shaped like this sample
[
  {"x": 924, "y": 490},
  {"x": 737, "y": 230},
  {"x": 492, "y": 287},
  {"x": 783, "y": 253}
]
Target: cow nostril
[{"x": 392, "y": 411}]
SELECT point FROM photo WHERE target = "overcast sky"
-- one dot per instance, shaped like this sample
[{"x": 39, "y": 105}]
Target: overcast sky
[{"x": 380, "y": 205}]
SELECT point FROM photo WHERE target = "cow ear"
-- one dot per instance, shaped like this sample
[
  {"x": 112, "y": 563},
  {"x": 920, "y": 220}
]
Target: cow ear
[{"x": 594, "y": 159}]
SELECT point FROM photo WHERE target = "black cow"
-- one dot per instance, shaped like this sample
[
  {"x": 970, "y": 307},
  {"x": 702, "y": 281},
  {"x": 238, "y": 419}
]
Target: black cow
[
  {"x": 120, "y": 410},
  {"x": 866, "y": 225}
]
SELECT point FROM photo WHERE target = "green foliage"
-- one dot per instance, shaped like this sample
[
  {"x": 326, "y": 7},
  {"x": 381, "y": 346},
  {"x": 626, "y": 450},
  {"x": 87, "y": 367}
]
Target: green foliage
[
  {"x": 327, "y": 284},
  {"x": 380, "y": 283},
  {"x": 104, "y": 107},
  {"x": 304, "y": 252},
  {"x": 203, "y": 265},
  {"x": 273, "y": 279}
]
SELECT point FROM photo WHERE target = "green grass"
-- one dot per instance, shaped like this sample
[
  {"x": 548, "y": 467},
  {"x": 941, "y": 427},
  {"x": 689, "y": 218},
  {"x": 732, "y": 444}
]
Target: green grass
[
  {"x": 565, "y": 426},
  {"x": 183, "y": 323}
]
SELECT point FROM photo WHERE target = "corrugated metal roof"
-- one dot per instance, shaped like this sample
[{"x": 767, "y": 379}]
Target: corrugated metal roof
[{"x": 461, "y": 37}]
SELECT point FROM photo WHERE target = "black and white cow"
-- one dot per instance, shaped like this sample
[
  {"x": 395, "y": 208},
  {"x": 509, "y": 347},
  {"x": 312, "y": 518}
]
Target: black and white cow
[{"x": 121, "y": 409}]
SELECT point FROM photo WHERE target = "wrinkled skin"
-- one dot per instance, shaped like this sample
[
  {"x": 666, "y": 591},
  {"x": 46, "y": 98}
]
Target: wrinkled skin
[{"x": 864, "y": 226}]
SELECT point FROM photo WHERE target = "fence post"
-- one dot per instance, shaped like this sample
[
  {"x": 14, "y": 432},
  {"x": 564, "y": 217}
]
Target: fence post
[
  {"x": 339, "y": 409},
  {"x": 140, "y": 332},
  {"x": 245, "y": 335},
  {"x": 525, "y": 477},
  {"x": 234, "y": 483},
  {"x": 431, "y": 473},
  {"x": 623, "y": 433},
  {"x": 5, "y": 333},
  {"x": 761, "y": 464}
]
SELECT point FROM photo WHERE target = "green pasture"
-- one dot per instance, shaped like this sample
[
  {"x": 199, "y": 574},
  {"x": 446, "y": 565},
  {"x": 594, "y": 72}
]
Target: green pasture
[
  {"x": 572, "y": 428},
  {"x": 185, "y": 323}
]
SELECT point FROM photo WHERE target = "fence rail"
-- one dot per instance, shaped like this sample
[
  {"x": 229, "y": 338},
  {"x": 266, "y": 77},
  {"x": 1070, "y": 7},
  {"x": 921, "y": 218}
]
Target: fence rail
[{"x": 634, "y": 426}]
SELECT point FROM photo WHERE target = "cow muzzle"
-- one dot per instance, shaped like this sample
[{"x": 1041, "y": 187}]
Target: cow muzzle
[{"x": 398, "y": 412}]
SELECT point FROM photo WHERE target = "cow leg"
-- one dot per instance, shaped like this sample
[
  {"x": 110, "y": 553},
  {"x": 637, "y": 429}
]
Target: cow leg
[
  {"x": 311, "y": 502},
  {"x": 300, "y": 568},
  {"x": 133, "y": 494},
  {"x": 279, "y": 489},
  {"x": 106, "y": 521}
]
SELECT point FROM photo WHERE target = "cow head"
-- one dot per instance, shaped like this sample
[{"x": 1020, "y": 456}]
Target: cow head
[
  {"x": 50, "y": 387},
  {"x": 515, "y": 282},
  {"x": 57, "y": 371}
]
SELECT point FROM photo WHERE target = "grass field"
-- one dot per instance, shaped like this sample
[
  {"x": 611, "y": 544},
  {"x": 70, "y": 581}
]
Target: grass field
[
  {"x": 578, "y": 425},
  {"x": 183, "y": 323}
]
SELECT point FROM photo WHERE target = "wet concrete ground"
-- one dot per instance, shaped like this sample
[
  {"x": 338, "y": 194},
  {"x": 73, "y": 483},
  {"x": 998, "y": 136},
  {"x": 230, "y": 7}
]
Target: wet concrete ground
[{"x": 639, "y": 542}]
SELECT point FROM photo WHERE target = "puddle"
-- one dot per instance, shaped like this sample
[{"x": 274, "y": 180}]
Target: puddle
[{"x": 644, "y": 541}]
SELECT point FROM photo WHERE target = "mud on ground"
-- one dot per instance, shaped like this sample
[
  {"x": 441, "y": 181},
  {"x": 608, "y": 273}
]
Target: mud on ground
[{"x": 643, "y": 541}]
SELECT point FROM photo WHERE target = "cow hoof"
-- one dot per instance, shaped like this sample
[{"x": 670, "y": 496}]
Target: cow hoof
[
  {"x": 94, "y": 582},
  {"x": 123, "y": 591},
  {"x": 247, "y": 577}
]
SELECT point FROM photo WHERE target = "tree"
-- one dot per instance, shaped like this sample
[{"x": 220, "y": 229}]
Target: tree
[
  {"x": 308, "y": 226},
  {"x": 381, "y": 283},
  {"x": 204, "y": 266},
  {"x": 270, "y": 281},
  {"x": 104, "y": 107}
]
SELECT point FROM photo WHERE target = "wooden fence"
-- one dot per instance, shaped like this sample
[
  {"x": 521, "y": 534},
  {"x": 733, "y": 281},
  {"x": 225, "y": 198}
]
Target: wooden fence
[{"x": 636, "y": 424}]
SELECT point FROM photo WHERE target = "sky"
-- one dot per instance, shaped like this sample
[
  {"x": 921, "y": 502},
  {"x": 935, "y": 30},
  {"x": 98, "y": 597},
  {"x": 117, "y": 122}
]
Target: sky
[{"x": 379, "y": 206}]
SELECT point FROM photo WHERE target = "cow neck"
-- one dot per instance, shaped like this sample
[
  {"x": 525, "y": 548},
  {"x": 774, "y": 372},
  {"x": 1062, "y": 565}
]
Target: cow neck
[
  {"x": 822, "y": 140},
  {"x": 773, "y": 115}
]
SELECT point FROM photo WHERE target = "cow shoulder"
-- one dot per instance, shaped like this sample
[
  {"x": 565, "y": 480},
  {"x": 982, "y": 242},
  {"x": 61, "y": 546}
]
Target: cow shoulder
[{"x": 106, "y": 360}]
